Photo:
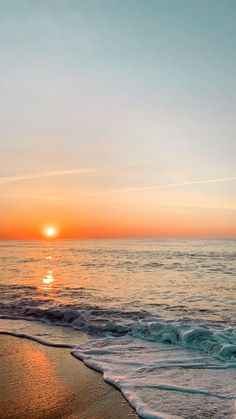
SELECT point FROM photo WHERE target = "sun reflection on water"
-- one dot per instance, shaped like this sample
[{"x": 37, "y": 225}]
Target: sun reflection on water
[{"x": 48, "y": 279}]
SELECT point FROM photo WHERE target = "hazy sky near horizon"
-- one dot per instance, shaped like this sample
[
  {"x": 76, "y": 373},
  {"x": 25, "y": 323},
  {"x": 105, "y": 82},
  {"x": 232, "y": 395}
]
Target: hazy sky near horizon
[{"x": 118, "y": 117}]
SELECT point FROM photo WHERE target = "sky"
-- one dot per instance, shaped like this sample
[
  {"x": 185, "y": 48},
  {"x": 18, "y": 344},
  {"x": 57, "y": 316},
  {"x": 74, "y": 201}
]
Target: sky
[{"x": 117, "y": 118}]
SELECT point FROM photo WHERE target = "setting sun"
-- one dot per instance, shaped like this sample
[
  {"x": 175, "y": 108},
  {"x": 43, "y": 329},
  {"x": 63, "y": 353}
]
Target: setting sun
[{"x": 50, "y": 232}]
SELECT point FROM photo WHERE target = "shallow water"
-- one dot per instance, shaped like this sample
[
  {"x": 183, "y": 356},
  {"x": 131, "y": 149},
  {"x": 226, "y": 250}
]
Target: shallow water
[{"x": 157, "y": 317}]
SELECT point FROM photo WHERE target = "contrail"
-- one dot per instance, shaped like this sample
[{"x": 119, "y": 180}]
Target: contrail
[
  {"x": 141, "y": 188},
  {"x": 10, "y": 179},
  {"x": 164, "y": 186},
  {"x": 45, "y": 174}
]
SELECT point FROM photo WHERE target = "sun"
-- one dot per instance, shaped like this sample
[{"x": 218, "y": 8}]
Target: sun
[{"x": 51, "y": 232}]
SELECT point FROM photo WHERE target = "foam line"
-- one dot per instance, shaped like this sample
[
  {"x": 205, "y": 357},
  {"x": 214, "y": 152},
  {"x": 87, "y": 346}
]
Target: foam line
[
  {"x": 184, "y": 390},
  {"x": 38, "y": 340}
]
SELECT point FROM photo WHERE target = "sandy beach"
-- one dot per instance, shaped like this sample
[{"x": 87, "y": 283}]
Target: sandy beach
[{"x": 44, "y": 382}]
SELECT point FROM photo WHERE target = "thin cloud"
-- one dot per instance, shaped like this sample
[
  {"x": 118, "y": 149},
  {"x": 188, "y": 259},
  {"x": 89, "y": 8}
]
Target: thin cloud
[
  {"x": 164, "y": 186},
  {"x": 19, "y": 178},
  {"x": 141, "y": 188}
]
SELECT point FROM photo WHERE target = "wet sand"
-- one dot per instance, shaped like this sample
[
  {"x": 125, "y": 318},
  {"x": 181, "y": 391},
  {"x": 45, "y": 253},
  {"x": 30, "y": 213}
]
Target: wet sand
[{"x": 43, "y": 382}]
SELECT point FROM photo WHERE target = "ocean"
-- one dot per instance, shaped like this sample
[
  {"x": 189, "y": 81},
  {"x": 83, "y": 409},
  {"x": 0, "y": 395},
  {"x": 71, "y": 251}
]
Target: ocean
[{"x": 156, "y": 317}]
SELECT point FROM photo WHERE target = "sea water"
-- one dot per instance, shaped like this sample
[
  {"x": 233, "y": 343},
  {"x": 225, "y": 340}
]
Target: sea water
[{"x": 156, "y": 317}]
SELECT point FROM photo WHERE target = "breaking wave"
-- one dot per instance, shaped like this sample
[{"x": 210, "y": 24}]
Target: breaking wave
[{"x": 210, "y": 338}]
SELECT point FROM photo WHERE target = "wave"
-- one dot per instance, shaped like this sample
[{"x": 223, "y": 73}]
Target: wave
[{"x": 218, "y": 340}]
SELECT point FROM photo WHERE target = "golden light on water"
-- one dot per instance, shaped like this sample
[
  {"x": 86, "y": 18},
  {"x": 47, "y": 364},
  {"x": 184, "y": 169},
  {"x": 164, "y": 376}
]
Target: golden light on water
[{"x": 48, "y": 279}]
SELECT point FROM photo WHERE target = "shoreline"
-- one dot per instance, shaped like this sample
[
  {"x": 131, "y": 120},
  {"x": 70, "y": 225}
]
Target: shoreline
[{"x": 46, "y": 382}]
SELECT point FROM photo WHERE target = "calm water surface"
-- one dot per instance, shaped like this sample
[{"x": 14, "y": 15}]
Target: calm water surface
[{"x": 157, "y": 317}]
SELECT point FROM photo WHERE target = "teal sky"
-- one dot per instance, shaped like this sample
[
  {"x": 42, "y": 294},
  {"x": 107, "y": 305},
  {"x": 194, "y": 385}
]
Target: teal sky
[{"x": 138, "y": 94}]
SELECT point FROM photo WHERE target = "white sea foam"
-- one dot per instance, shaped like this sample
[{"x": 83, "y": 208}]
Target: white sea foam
[{"x": 158, "y": 382}]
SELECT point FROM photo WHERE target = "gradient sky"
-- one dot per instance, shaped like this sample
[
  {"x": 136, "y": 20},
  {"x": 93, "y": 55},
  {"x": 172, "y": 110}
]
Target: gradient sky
[{"x": 118, "y": 118}]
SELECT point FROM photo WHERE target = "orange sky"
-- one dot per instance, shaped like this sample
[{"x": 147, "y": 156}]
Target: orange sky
[
  {"x": 95, "y": 221},
  {"x": 117, "y": 121}
]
